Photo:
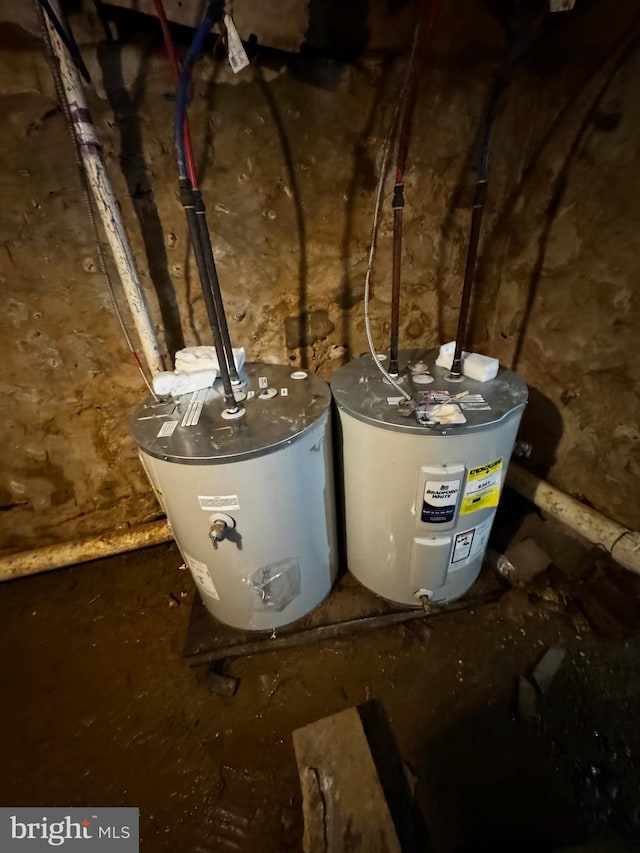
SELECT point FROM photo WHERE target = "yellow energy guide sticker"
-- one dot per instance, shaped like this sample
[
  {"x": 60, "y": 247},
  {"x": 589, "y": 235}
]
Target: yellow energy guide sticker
[{"x": 482, "y": 488}]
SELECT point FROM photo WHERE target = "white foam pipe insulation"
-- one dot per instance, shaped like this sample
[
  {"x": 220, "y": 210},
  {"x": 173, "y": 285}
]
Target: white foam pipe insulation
[
  {"x": 50, "y": 557},
  {"x": 623, "y": 544},
  {"x": 104, "y": 197}
]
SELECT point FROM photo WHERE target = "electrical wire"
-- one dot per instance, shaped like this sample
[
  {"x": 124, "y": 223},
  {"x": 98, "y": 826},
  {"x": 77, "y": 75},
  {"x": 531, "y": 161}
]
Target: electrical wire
[
  {"x": 84, "y": 183},
  {"x": 199, "y": 206},
  {"x": 175, "y": 71},
  {"x": 514, "y": 48},
  {"x": 426, "y": 20},
  {"x": 214, "y": 13},
  {"x": 195, "y": 212},
  {"x": 67, "y": 39}
]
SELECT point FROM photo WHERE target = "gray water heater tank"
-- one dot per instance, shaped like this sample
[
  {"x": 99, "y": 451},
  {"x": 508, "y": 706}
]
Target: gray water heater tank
[
  {"x": 420, "y": 500},
  {"x": 250, "y": 501}
]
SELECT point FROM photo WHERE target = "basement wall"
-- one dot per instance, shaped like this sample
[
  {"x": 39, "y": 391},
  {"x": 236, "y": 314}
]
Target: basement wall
[{"x": 289, "y": 152}]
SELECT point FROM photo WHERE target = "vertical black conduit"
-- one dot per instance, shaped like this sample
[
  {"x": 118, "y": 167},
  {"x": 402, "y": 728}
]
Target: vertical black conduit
[
  {"x": 425, "y": 24},
  {"x": 479, "y": 199},
  {"x": 214, "y": 281},
  {"x": 195, "y": 212},
  {"x": 515, "y": 45}
]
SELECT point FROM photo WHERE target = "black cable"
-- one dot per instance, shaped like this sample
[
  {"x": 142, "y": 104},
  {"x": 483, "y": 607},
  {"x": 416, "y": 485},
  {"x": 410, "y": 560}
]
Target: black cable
[
  {"x": 67, "y": 39},
  {"x": 426, "y": 21},
  {"x": 188, "y": 203},
  {"x": 479, "y": 198},
  {"x": 514, "y": 48},
  {"x": 196, "y": 216},
  {"x": 214, "y": 284}
]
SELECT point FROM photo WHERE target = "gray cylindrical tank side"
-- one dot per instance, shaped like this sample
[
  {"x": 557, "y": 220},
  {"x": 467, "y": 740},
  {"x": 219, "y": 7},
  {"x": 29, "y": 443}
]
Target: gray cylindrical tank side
[
  {"x": 251, "y": 502},
  {"x": 420, "y": 501}
]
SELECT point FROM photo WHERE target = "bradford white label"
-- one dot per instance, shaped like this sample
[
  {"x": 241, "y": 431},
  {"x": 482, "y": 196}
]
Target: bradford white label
[{"x": 440, "y": 500}]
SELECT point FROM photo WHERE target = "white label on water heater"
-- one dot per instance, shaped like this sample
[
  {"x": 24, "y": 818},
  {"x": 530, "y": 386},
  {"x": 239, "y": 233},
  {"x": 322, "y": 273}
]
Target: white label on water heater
[
  {"x": 209, "y": 502},
  {"x": 462, "y": 545},
  {"x": 471, "y": 542},
  {"x": 201, "y": 575},
  {"x": 167, "y": 429}
]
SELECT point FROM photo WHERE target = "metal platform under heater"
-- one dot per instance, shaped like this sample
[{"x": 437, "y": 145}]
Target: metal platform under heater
[
  {"x": 250, "y": 501},
  {"x": 420, "y": 501}
]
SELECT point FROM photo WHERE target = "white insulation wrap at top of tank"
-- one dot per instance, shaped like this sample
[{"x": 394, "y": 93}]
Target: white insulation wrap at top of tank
[
  {"x": 192, "y": 429},
  {"x": 360, "y": 390}
]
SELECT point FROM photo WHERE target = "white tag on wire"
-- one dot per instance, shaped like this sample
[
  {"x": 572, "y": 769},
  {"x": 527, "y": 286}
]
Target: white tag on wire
[{"x": 238, "y": 58}]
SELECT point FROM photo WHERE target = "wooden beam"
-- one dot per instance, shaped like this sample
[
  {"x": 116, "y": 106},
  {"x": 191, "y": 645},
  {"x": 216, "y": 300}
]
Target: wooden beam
[{"x": 345, "y": 810}]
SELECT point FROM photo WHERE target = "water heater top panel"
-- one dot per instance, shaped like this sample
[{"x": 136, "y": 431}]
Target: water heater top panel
[
  {"x": 280, "y": 404},
  {"x": 360, "y": 390}
]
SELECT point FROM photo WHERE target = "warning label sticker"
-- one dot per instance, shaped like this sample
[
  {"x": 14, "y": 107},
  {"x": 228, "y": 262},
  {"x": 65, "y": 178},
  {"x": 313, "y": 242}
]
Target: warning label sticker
[
  {"x": 439, "y": 501},
  {"x": 482, "y": 488},
  {"x": 209, "y": 502},
  {"x": 201, "y": 575},
  {"x": 462, "y": 545},
  {"x": 470, "y": 543}
]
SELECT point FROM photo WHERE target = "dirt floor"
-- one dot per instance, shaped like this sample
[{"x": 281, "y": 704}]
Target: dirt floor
[{"x": 100, "y": 708}]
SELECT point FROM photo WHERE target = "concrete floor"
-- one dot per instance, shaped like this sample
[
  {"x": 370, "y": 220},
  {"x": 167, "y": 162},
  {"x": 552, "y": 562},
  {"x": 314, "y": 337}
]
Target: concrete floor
[{"x": 100, "y": 708}]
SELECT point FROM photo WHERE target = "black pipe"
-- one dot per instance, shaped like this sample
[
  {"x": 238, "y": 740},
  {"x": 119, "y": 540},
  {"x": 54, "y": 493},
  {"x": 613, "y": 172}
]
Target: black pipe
[
  {"x": 214, "y": 284},
  {"x": 479, "y": 199},
  {"x": 188, "y": 203},
  {"x": 196, "y": 216},
  {"x": 398, "y": 204},
  {"x": 515, "y": 46},
  {"x": 469, "y": 273},
  {"x": 423, "y": 29}
]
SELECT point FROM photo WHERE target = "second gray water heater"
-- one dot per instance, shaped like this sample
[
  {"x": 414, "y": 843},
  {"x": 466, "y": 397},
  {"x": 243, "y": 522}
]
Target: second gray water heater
[{"x": 420, "y": 500}]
